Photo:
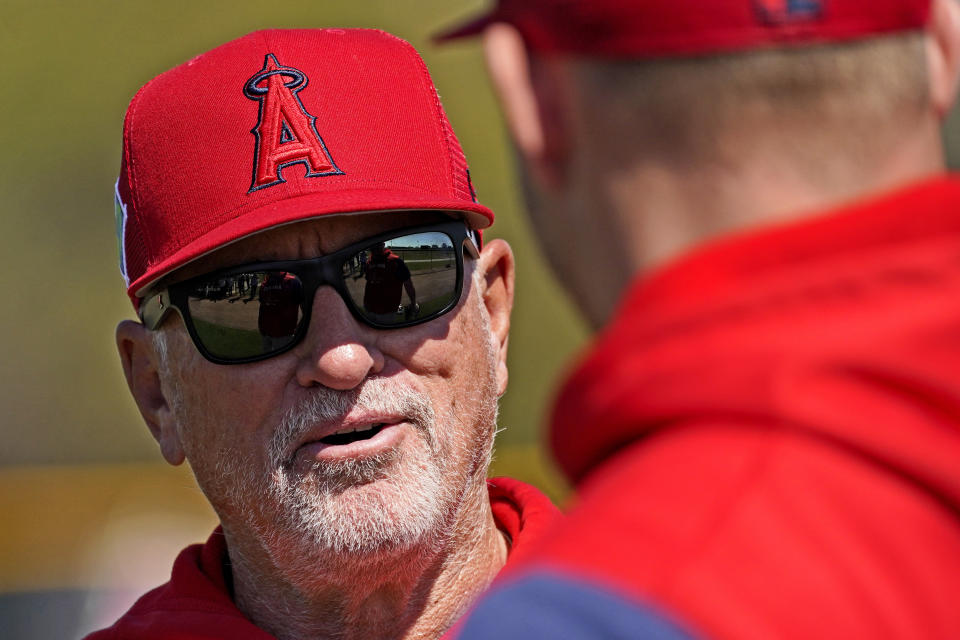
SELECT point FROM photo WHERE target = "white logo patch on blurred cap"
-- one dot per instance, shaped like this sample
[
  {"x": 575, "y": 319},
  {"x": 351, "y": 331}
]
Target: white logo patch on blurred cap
[{"x": 120, "y": 220}]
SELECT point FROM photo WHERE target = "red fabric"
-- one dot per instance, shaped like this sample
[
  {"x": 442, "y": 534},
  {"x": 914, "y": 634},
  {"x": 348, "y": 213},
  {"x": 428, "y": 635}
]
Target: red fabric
[
  {"x": 344, "y": 120},
  {"x": 766, "y": 440},
  {"x": 521, "y": 512},
  {"x": 196, "y": 603},
  {"x": 632, "y": 28}
]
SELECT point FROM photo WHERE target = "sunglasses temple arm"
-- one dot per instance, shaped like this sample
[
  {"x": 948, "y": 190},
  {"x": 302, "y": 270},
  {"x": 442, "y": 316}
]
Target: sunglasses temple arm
[
  {"x": 153, "y": 310},
  {"x": 471, "y": 246}
]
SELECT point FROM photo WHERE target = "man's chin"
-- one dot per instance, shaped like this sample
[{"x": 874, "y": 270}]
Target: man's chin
[
  {"x": 343, "y": 477},
  {"x": 361, "y": 510}
]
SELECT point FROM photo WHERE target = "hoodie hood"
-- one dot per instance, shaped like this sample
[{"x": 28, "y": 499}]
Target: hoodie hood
[{"x": 844, "y": 328}]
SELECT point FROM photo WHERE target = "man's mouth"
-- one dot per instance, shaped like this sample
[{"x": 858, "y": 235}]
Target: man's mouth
[
  {"x": 349, "y": 435},
  {"x": 353, "y": 437}
]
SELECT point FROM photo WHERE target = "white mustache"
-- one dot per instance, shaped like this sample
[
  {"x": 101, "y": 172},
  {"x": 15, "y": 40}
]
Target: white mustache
[{"x": 326, "y": 405}]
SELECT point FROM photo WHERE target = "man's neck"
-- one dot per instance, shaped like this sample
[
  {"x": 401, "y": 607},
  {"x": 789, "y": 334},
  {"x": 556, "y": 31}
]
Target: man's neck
[
  {"x": 681, "y": 207},
  {"x": 415, "y": 594}
]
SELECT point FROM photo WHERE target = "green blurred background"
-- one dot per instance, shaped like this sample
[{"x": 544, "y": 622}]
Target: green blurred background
[{"x": 91, "y": 516}]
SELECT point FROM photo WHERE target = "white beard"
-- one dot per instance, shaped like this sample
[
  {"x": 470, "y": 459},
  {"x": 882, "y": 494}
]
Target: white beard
[{"x": 393, "y": 501}]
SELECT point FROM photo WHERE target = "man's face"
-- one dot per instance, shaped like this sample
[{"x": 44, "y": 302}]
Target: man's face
[{"x": 269, "y": 441}]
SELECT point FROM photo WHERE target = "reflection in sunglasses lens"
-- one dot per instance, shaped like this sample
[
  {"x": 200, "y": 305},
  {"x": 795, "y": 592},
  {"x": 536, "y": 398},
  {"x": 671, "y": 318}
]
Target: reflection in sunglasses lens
[
  {"x": 403, "y": 279},
  {"x": 390, "y": 283},
  {"x": 246, "y": 314}
]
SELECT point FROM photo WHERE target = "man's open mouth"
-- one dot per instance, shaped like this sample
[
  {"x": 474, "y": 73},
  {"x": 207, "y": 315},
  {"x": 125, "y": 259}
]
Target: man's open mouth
[{"x": 346, "y": 437}]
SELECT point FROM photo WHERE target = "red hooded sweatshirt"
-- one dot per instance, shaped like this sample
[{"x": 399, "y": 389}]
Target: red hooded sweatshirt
[
  {"x": 197, "y": 605},
  {"x": 766, "y": 443}
]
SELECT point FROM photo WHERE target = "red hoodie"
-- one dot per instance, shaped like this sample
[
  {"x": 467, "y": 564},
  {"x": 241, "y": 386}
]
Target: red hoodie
[
  {"x": 766, "y": 443},
  {"x": 196, "y": 603}
]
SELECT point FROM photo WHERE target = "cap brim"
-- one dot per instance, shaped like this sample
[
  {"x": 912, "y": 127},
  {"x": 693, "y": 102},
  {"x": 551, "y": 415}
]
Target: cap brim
[
  {"x": 306, "y": 207},
  {"x": 469, "y": 29}
]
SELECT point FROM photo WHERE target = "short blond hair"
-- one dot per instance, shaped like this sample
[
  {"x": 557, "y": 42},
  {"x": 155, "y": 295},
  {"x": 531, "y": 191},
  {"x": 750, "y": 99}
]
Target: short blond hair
[{"x": 677, "y": 107}]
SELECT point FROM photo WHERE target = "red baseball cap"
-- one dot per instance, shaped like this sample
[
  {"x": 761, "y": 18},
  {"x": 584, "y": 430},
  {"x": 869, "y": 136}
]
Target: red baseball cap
[
  {"x": 276, "y": 127},
  {"x": 653, "y": 28}
]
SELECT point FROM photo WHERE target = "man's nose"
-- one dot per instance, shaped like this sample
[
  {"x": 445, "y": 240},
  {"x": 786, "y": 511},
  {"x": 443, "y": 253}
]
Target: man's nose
[{"x": 337, "y": 351}]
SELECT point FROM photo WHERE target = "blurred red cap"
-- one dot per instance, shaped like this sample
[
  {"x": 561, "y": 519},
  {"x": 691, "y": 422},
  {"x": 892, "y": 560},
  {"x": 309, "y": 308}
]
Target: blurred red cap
[
  {"x": 651, "y": 28},
  {"x": 280, "y": 126}
]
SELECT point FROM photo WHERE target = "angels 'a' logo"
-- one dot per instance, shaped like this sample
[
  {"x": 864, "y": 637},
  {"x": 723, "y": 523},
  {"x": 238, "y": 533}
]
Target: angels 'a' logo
[{"x": 286, "y": 133}]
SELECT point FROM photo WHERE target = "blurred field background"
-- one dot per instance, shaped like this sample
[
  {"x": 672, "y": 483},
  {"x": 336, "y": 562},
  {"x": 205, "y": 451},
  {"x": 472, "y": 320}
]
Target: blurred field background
[{"x": 91, "y": 516}]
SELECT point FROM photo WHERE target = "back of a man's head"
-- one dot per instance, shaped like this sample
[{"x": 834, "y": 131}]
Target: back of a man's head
[
  {"x": 654, "y": 126},
  {"x": 836, "y": 102}
]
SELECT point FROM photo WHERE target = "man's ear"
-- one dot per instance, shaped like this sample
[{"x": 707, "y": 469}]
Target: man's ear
[
  {"x": 531, "y": 93},
  {"x": 497, "y": 271},
  {"x": 141, "y": 368},
  {"x": 943, "y": 54}
]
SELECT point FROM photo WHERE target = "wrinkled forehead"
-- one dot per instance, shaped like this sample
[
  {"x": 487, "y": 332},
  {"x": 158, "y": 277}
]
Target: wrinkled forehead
[{"x": 305, "y": 239}]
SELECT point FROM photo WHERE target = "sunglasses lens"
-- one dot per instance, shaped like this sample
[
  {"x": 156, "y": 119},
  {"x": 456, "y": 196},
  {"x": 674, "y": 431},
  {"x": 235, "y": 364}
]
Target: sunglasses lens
[
  {"x": 403, "y": 280},
  {"x": 247, "y": 314}
]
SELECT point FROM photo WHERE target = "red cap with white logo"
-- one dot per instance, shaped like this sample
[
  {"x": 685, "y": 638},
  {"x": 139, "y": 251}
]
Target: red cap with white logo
[
  {"x": 276, "y": 127},
  {"x": 653, "y": 28}
]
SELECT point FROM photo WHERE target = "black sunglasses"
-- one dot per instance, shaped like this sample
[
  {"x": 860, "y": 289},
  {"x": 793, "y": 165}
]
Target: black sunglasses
[{"x": 255, "y": 311}]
